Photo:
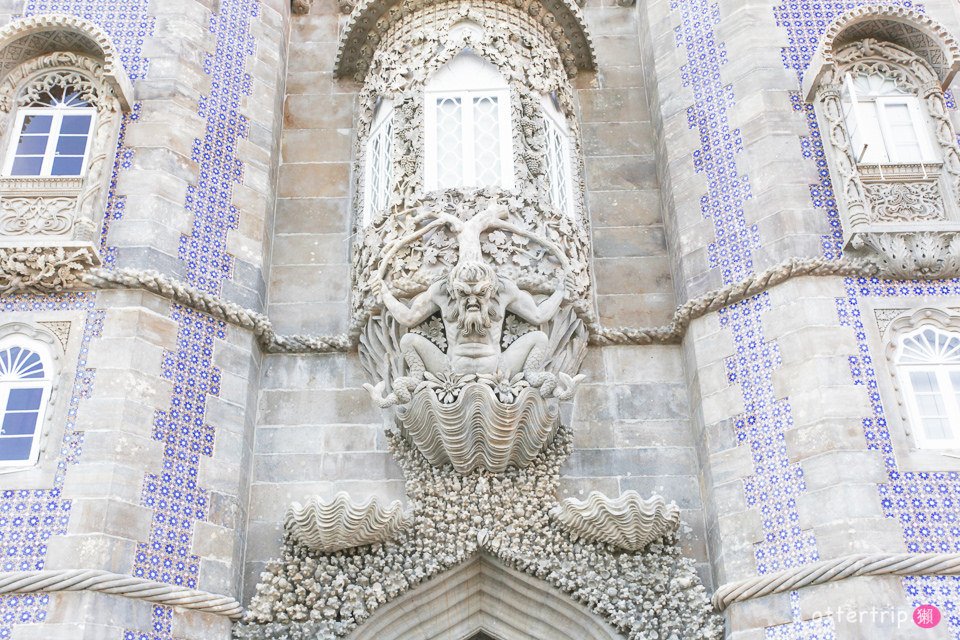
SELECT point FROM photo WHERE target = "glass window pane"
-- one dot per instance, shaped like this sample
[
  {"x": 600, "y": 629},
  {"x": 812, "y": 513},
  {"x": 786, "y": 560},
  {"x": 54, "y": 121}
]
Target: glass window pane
[
  {"x": 937, "y": 429},
  {"x": 75, "y": 125},
  {"x": 924, "y": 382},
  {"x": 904, "y": 146},
  {"x": 67, "y": 166},
  {"x": 72, "y": 145},
  {"x": 449, "y": 143},
  {"x": 15, "y": 448},
  {"x": 24, "y": 399},
  {"x": 18, "y": 424},
  {"x": 36, "y": 124},
  {"x": 29, "y": 166},
  {"x": 486, "y": 141},
  {"x": 31, "y": 145}
]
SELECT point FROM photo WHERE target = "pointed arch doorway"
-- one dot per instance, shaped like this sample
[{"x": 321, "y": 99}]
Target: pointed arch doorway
[{"x": 484, "y": 600}]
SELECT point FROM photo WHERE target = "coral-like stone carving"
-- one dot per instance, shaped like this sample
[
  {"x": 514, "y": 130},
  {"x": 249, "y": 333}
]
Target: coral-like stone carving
[
  {"x": 339, "y": 524},
  {"x": 44, "y": 269},
  {"x": 654, "y": 593},
  {"x": 490, "y": 424},
  {"x": 628, "y": 522},
  {"x": 301, "y": 7}
]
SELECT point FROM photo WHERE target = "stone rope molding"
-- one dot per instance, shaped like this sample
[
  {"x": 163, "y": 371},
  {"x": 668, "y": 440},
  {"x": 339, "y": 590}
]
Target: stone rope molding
[
  {"x": 52, "y": 580},
  {"x": 850, "y": 566},
  {"x": 186, "y": 295}
]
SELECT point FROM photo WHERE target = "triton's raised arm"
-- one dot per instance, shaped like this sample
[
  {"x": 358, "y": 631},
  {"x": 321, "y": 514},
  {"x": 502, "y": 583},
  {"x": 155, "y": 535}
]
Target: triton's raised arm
[
  {"x": 525, "y": 305},
  {"x": 421, "y": 307}
]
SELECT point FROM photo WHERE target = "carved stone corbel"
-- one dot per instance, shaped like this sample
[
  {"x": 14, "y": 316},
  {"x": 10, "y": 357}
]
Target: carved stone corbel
[{"x": 908, "y": 255}]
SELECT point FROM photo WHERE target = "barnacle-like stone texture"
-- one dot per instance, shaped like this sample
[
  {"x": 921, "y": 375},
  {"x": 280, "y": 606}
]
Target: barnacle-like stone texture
[
  {"x": 651, "y": 594},
  {"x": 477, "y": 429},
  {"x": 628, "y": 522},
  {"x": 341, "y": 523}
]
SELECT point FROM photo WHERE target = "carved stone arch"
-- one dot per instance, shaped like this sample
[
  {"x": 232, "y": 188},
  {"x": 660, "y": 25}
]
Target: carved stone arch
[
  {"x": 27, "y": 38},
  {"x": 900, "y": 26},
  {"x": 481, "y": 596},
  {"x": 371, "y": 19},
  {"x": 908, "y": 322}
]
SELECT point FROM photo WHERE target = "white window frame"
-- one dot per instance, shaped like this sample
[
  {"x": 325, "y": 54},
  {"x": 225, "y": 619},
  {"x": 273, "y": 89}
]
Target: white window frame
[
  {"x": 381, "y": 129},
  {"x": 563, "y": 174},
  {"x": 855, "y": 120},
  {"x": 50, "y": 153},
  {"x": 6, "y": 386},
  {"x": 948, "y": 393},
  {"x": 474, "y": 86}
]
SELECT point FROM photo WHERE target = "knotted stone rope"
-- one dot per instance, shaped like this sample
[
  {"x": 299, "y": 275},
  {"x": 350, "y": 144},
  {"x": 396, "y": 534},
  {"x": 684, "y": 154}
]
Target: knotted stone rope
[
  {"x": 862, "y": 564},
  {"x": 672, "y": 333},
  {"x": 53, "y": 580}
]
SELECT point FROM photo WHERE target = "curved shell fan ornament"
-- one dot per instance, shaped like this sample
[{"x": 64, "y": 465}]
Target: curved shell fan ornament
[
  {"x": 477, "y": 429},
  {"x": 341, "y": 524},
  {"x": 628, "y": 522}
]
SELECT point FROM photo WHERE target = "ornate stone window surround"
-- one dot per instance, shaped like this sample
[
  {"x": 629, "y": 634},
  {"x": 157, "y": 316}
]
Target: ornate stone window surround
[
  {"x": 412, "y": 51},
  {"x": 903, "y": 218},
  {"x": 890, "y": 196},
  {"x": 886, "y": 337},
  {"x": 42, "y": 339},
  {"x": 408, "y": 59},
  {"x": 62, "y": 210}
]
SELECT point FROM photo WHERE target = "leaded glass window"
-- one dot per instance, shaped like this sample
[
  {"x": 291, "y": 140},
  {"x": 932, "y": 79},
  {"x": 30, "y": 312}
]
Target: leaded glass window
[
  {"x": 379, "y": 162},
  {"x": 25, "y": 382},
  {"x": 468, "y": 134},
  {"x": 54, "y": 132},
  {"x": 885, "y": 121},
  {"x": 557, "y": 157},
  {"x": 928, "y": 367}
]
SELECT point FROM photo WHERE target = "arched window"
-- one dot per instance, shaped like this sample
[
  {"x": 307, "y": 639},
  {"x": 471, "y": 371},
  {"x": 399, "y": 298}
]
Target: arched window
[
  {"x": 928, "y": 368},
  {"x": 886, "y": 121},
  {"x": 557, "y": 158},
  {"x": 26, "y": 378},
  {"x": 468, "y": 135},
  {"x": 378, "y": 177}
]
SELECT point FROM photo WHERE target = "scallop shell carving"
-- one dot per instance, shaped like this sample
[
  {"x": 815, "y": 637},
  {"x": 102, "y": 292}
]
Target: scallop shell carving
[
  {"x": 628, "y": 522},
  {"x": 340, "y": 524},
  {"x": 477, "y": 430}
]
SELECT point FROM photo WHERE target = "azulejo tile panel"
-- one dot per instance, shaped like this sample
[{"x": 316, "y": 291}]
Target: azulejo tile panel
[
  {"x": 29, "y": 518},
  {"x": 775, "y": 483},
  {"x": 926, "y": 505},
  {"x": 173, "y": 492}
]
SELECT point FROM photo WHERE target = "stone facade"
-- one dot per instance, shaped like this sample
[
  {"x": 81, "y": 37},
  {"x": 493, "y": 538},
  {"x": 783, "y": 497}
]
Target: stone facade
[{"x": 703, "y": 413}]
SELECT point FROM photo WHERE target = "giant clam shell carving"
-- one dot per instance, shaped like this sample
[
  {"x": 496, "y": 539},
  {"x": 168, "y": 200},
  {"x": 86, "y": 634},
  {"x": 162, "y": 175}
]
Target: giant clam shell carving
[
  {"x": 477, "y": 430},
  {"x": 628, "y": 522},
  {"x": 340, "y": 524}
]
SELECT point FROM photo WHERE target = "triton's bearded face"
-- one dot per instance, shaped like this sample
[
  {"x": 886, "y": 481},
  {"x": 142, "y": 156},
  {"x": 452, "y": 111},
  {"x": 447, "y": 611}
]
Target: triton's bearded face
[{"x": 473, "y": 288}]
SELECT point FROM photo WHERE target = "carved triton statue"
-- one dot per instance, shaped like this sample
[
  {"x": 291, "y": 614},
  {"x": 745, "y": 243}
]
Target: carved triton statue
[{"x": 472, "y": 301}]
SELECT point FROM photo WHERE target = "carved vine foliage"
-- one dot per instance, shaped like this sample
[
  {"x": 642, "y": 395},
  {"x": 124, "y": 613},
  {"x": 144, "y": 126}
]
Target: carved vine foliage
[
  {"x": 872, "y": 197},
  {"x": 649, "y": 592}
]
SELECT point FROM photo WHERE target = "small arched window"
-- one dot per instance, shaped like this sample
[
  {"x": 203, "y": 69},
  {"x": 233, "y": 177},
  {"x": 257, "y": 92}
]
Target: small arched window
[
  {"x": 928, "y": 368},
  {"x": 468, "y": 134},
  {"x": 557, "y": 155},
  {"x": 54, "y": 128},
  {"x": 25, "y": 384},
  {"x": 886, "y": 121},
  {"x": 378, "y": 177}
]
